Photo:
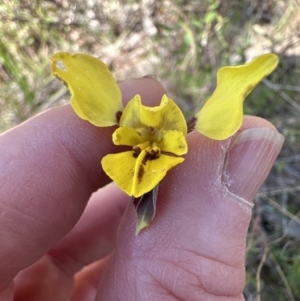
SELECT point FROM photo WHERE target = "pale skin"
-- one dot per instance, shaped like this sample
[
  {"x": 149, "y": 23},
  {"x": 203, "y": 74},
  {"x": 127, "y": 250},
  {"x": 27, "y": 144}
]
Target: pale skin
[{"x": 195, "y": 247}]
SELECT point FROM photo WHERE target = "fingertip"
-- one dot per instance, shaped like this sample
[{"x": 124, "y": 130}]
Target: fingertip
[
  {"x": 250, "y": 158},
  {"x": 150, "y": 90},
  {"x": 256, "y": 122}
]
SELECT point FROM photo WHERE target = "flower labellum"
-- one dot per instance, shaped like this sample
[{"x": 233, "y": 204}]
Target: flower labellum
[{"x": 155, "y": 135}]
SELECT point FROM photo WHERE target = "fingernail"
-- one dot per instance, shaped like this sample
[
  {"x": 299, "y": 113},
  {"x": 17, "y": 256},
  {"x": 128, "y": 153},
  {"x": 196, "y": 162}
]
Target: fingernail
[{"x": 249, "y": 161}]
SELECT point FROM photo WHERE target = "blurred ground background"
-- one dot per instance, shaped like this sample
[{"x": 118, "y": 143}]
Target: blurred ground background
[{"x": 182, "y": 43}]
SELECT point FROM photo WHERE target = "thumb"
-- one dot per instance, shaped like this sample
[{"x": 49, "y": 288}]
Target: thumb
[
  {"x": 195, "y": 247},
  {"x": 250, "y": 157}
]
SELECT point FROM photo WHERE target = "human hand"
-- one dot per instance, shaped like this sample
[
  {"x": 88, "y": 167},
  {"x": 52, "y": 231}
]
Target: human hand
[{"x": 194, "y": 248}]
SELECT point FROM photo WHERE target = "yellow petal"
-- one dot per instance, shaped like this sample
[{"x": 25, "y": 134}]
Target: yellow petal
[
  {"x": 222, "y": 114},
  {"x": 173, "y": 142},
  {"x": 120, "y": 168},
  {"x": 167, "y": 116},
  {"x": 148, "y": 173},
  {"x": 126, "y": 136},
  {"x": 96, "y": 96},
  {"x": 137, "y": 176}
]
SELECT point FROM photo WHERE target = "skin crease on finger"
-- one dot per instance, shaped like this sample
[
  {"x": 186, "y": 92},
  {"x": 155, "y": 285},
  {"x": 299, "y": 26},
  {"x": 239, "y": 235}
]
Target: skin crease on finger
[{"x": 49, "y": 166}]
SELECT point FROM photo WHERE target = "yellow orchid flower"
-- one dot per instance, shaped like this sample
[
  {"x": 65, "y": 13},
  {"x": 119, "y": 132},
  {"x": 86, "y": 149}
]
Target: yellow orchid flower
[{"x": 155, "y": 135}]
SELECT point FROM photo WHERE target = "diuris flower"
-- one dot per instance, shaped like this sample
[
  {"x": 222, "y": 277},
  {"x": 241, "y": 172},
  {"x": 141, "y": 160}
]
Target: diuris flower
[{"x": 156, "y": 135}]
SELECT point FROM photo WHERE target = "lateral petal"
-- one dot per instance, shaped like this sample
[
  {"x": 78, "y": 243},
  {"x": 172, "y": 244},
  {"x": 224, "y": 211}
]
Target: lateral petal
[
  {"x": 96, "y": 96},
  {"x": 222, "y": 114}
]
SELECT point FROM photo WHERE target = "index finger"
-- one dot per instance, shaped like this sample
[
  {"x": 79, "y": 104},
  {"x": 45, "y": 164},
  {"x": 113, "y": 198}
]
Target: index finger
[{"x": 49, "y": 166}]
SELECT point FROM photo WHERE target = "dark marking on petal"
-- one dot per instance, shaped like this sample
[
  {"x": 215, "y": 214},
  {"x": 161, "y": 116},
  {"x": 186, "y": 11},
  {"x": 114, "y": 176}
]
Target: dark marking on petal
[
  {"x": 136, "y": 149},
  {"x": 146, "y": 158},
  {"x": 118, "y": 116},
  {"x": 155, "y": 154},
  {"x": 141, "y": 173},
  {"x": 135, "y": 155}
]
